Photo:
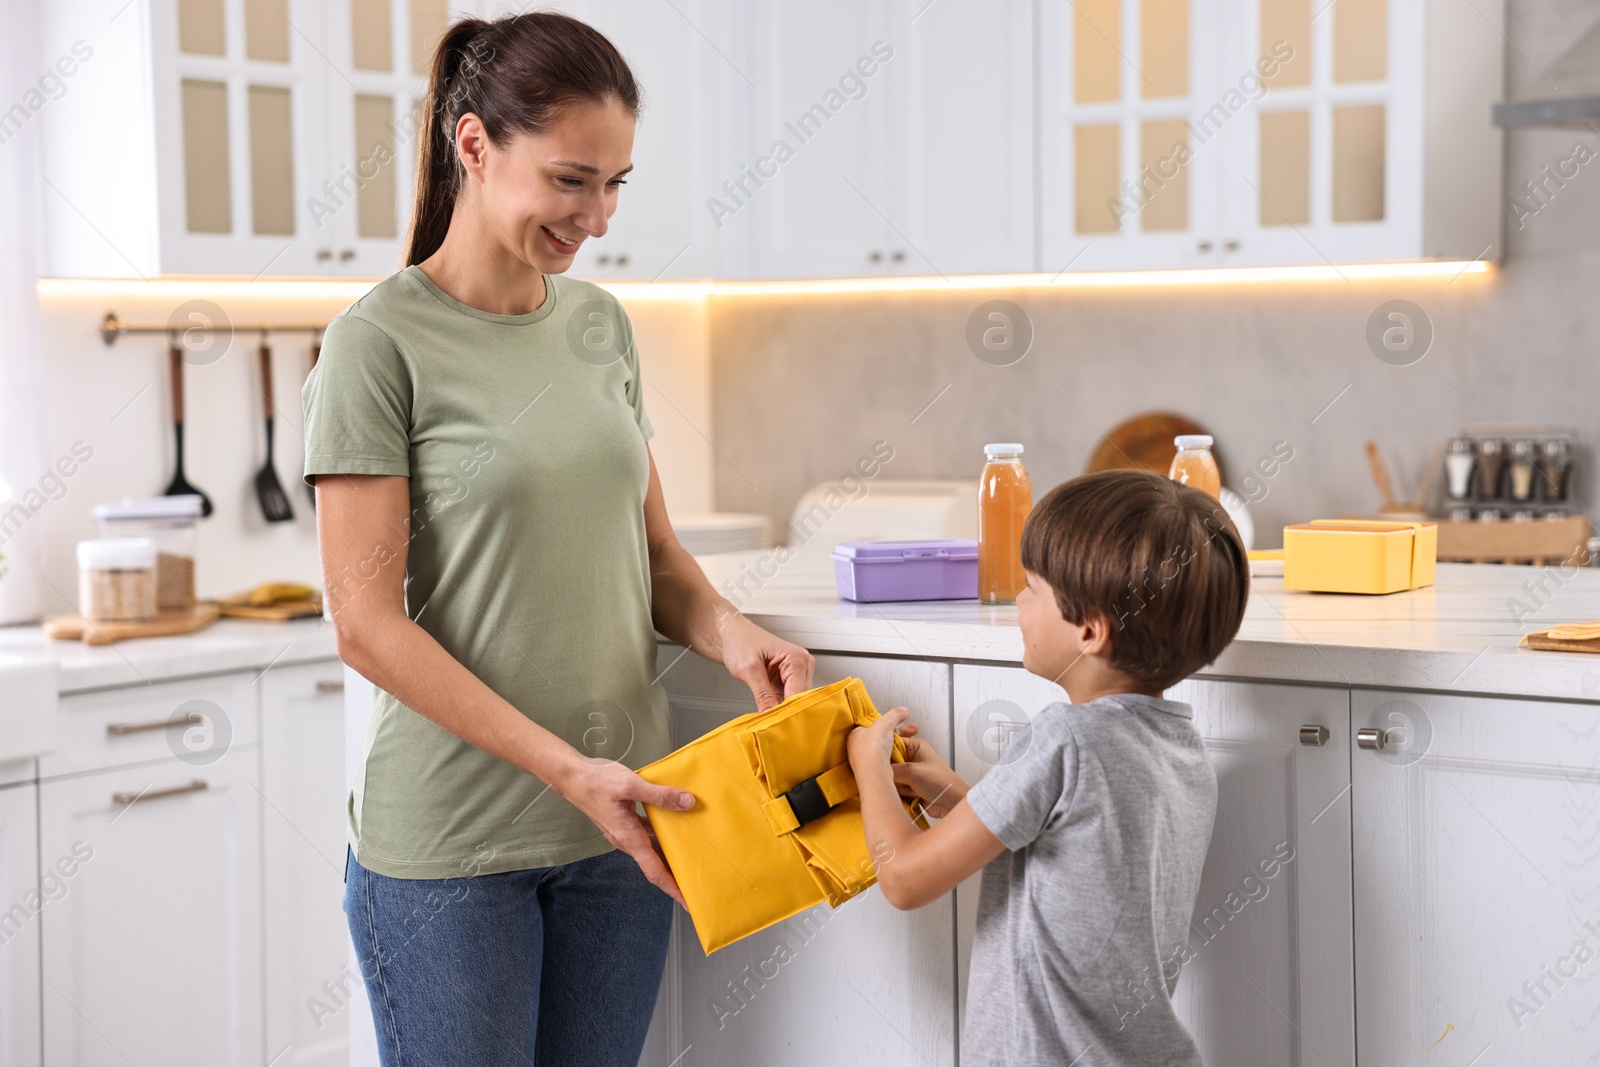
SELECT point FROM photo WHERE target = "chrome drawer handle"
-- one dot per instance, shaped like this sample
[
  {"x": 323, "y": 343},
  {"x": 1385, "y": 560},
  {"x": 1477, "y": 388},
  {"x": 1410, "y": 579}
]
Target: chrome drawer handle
[
  {"x": 196, "y": 786},
  {"x": 1315, "y": 735},
  {"x": 325, "y": 686},
  {"x": 1371, "y": 737},
  {"x": 117, "y": 729}
]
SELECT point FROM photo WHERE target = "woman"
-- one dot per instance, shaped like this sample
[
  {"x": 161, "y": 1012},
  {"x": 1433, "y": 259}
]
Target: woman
[{"x": 497, "y": 553}]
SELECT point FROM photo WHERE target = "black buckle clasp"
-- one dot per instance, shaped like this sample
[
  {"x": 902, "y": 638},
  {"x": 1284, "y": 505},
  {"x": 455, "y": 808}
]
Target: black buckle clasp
[{"x": 807, "y": 802}]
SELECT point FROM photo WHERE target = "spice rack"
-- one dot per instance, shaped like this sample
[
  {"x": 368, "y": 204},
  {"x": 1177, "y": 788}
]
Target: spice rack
[{"x": 1509, "y": 496}]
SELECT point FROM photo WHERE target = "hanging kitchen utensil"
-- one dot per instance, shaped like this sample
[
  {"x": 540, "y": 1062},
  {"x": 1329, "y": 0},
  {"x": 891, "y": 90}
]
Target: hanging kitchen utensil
[
  {"x": 180, "y": 485},
  {"x": 316, "y": 350},
  {"x": 274, "y": 502}
]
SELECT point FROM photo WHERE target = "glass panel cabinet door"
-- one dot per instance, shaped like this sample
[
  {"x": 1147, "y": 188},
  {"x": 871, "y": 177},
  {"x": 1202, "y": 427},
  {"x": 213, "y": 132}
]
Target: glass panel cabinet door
[
  {"x": 237, "y": 90},
  {"x": 1319, "y": 164},
  {"x": 379, "y": 53},
  {"x": 1127, "y": 173}
]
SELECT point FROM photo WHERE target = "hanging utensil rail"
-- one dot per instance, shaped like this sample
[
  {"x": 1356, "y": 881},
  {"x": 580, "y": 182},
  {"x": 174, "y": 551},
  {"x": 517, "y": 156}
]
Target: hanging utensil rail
[{"x": 112, "y": 327}]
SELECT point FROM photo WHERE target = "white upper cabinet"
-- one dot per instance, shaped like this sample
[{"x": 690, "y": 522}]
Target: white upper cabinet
[
  {"x": 246, "y": 137},
  {"x": 1245, "y": 132},
  {"x": 839, "y": 138},
  {"x": 891, "y": 138}
]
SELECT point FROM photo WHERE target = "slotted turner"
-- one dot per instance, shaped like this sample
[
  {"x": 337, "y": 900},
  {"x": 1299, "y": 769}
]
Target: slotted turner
[{"x": 274, "y": 501}]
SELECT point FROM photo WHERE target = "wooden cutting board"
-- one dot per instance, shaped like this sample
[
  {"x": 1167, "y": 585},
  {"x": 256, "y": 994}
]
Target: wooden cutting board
[
  {"x": 165, "y": 624},
  {"x": 1539, "y": 640},
  {"x": 1143, "y": 442}
]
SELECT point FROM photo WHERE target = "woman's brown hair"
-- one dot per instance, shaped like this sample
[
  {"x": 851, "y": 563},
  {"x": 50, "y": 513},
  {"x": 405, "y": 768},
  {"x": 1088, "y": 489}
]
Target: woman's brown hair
[
  {"x": 515, "y": 74},
  {"x": 1160, "y": 562}
]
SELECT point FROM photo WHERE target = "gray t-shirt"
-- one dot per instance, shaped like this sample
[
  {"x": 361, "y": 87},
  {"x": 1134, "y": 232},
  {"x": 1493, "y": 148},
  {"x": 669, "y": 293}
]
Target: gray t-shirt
[{"x": 1106, "y": 810}]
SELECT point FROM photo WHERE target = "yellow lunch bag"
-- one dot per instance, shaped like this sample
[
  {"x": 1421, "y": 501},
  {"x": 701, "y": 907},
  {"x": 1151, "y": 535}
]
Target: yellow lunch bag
[{"x": 776, "y": 826}]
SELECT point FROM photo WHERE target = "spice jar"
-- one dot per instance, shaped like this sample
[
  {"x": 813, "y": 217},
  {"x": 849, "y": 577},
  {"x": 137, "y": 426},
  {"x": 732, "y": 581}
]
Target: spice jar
[
  {"x": 1523, "y": 467},
  {"x": 169, "y": 522},
  {"x": 1557, "y": 463},
  {"x": 117, "y": 579},
  {"x": 1458, "y": 464},
  {"x": 1491, "y": 461}
]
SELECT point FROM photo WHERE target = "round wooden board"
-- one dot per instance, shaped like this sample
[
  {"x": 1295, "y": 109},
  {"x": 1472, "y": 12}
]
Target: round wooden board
[{"x": 1143, "y": 442}]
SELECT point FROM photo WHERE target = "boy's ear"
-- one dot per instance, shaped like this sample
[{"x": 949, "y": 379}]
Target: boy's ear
[{"x": 1094, "y": 636}]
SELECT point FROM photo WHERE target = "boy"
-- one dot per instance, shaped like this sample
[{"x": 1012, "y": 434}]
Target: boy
[{"x": 1092, "y": 832}]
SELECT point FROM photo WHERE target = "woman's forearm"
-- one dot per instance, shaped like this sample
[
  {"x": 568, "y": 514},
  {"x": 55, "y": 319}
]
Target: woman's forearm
[
  {"x": 684, "y": 606},
  {"x": 403, "y": 659}
]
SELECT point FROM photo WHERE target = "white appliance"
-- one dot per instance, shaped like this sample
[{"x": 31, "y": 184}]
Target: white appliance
[
  {"x": 883, "y": 509},
  {"x": 705, "y": 533}
]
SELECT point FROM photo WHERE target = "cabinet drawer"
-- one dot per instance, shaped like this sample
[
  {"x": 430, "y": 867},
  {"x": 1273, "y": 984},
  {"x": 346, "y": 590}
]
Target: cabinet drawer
[{"x": 196, "y": 719}]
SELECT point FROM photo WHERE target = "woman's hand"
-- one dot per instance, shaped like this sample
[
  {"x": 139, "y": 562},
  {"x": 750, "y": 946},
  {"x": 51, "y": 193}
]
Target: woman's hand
[
  {"x": 605, "y": 791},
  {"x": 773, "y": 669}
]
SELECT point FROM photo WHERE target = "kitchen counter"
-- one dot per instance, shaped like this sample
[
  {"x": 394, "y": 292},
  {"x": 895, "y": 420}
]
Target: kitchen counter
[
  {"x": 225, "y": 645},
  {"x": 1458, "y": 635}
]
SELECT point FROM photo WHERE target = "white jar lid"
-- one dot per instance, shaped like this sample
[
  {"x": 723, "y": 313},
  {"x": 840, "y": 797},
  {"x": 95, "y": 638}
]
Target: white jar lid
[
  {"x": 1192, "y": 440},
  {"x": 1002, "y": 449},
  {"x": 183, "y": 506},
  {"x": 117, "y": 554}
]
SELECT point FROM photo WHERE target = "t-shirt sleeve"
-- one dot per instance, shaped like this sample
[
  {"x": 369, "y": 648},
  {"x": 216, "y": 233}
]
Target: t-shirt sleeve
[
  {"x": 1019, "y": 798},
  {"x": 635, "y": 380},
  {"x": 357, "y": 403}
]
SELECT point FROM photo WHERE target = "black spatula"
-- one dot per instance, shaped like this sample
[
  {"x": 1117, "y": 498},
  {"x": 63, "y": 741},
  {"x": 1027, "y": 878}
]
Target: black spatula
[
  {"x": 274, "y": 502},
  {"x": 180, "y": 485}
]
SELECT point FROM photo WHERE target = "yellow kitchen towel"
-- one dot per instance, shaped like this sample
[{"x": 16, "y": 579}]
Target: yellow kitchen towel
[{"x": 776, "y": 826}]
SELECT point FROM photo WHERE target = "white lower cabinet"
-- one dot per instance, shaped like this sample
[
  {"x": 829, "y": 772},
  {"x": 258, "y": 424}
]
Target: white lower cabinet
[
  {"x": 308, "y": 983},
  {"x": 152, "y": 953},
  {"x": 861, "y": 984},
  {"x": 992, "y": 705},
  {"x": 20, "y": 904},
  {"x": 1477, "y": 889},
  {"x": 1270, "y": 978}
]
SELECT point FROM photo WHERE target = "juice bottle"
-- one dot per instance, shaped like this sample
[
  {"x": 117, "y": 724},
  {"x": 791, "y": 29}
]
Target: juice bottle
[
  {"x": 1005, "y": 497},
  {"x": 1194, "y": 466}
]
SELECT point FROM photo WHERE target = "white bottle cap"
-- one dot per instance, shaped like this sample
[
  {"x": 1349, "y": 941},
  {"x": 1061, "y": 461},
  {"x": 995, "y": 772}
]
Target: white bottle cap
[
  {"x": 1002, "y": 449},
  {"x": 117, "y": 554},
  {"x": 1192, "y": 440}
]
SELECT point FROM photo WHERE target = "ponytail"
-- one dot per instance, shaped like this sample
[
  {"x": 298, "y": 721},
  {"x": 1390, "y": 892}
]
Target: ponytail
[{"x": 515, "y": 74}]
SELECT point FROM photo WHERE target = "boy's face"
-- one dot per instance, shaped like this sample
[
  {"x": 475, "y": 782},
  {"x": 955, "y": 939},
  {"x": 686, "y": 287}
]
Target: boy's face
[{"x": 1050, "y": 644}]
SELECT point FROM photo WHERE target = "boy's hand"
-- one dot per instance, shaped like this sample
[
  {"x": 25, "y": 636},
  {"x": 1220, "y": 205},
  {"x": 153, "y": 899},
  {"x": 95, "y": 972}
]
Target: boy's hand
[
  {"x": 926, "y": 776},
  {"x": 869, "y": 746}
]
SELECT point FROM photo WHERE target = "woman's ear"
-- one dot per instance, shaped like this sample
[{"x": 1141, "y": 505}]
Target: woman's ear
[{"x": 471, "y": 144}]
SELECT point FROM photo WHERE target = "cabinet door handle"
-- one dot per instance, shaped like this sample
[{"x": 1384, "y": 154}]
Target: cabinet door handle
[
  {"x": 1231, "y": 246},
  {"x": 118, "y": 729},
  {"x": 899, "y": 257},
  {"x": 1314, "y": 734},
  {"x": 326, "y": 686},
  {"x": 198, "y": 785},
  {"x": 1371, "y": 737},
  {"x": 1204, "y": 246},
  {"x": 622, "y": 261},
  {"x": 874, "y": 257},
  {"x": 324, "y": 254},
  {"x": 347, "y": 255}
]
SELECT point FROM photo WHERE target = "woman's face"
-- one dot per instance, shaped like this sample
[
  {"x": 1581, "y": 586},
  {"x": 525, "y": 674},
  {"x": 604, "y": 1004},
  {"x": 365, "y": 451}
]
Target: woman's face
[{"x": 545, "y": 194}]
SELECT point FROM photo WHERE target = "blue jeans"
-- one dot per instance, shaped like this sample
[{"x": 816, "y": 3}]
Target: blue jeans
[{"x": 556, "y": 966}]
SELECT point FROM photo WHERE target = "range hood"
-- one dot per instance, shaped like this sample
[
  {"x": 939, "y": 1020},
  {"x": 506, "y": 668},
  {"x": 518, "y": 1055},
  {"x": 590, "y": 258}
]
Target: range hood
[{"x": 1568, "y": 93}]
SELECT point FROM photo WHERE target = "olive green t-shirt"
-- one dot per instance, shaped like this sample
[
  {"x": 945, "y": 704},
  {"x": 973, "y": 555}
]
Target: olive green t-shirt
[{"x": 523, "y": 437}]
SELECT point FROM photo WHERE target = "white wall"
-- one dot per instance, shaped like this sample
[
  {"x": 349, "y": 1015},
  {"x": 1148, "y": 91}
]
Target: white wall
[{"x": 117, "y": 401}]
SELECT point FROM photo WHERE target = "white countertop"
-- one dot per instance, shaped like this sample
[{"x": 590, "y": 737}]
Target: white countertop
[
  {"x": 1458, "y": 635},
  {"x": 225, "y": 645}
]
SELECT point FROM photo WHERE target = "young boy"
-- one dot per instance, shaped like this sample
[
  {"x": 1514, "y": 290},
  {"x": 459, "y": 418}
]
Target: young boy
[{"x": 1092, "y": 831}]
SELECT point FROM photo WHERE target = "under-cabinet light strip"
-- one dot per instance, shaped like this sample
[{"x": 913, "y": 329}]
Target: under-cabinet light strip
[{"x": 308, "y": 288}]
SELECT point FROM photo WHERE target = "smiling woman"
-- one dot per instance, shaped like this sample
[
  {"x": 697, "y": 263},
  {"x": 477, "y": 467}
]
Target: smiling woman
[{"x": 499, "y": 558}]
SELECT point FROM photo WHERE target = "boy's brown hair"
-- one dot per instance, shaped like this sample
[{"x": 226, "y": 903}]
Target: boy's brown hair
[{"x": 1161, "y": 562}]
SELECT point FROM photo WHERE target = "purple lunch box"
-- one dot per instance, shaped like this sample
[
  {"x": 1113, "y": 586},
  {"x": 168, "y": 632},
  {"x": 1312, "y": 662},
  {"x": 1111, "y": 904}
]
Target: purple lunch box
[{"x": 906, "y": 570}]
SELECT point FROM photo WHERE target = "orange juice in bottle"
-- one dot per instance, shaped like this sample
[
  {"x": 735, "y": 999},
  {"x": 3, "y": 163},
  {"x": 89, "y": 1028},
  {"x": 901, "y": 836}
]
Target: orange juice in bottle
[
  {"x": 1004, "y": 499},
  {"x": 1194, "y": 465}
]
